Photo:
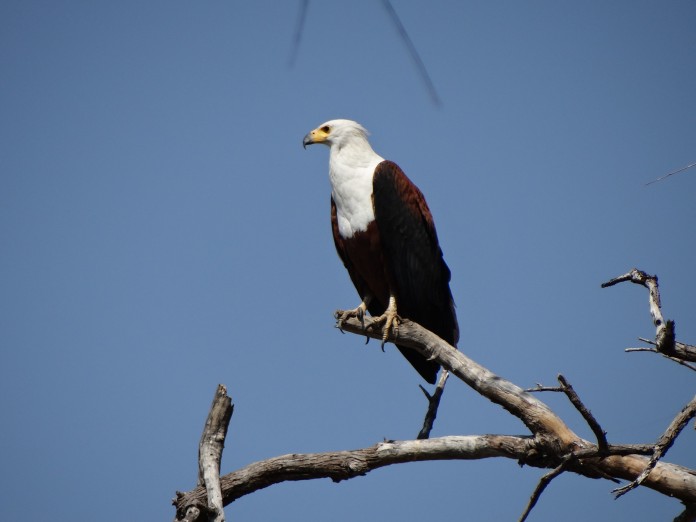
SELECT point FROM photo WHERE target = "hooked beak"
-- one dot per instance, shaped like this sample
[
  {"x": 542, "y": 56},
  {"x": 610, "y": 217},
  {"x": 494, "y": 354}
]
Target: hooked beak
[
  {"x": 319, "y": 135},
  {"x": 308, "y": 140}
]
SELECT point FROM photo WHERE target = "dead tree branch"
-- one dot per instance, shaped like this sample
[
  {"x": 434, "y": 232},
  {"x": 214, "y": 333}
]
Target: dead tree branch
[
  {"x": 551, "y": 444},
  {"x": 541, "y": 486},
  {"x": 574, "y": 399},
  {"x": 209, "y": 456},
  {"x": 663, "y": 444},
  {"x": 585, "y": 412},
  {"x": 556, "y": 439},
  {"x": 536, "y": 415},
  {"x": 665, "y": 342},
  {"x": 684, "y": 352},
  {"x": 343, "y": 465},
  {"x": 433, "y": 405}
]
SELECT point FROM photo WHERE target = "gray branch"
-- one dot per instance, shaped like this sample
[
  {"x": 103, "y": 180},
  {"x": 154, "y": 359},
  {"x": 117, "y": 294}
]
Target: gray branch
[
  {"x": 550, "y": 444},
  {"x": 665, "y": 342},
  {"x": 209, "y": 456}
]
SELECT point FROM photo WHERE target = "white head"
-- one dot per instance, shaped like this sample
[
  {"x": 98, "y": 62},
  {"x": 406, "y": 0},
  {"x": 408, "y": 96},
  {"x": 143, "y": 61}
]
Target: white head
[
  {"x": 352, "y": 165},
  {"x": 337, "y": 133}
]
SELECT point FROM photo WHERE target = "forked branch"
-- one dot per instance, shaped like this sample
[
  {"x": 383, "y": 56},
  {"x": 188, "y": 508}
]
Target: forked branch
[
  {"x": 551, "y": 444},
  {"x": 663, "y": 444},
  {"x": 665, "y": 342}
]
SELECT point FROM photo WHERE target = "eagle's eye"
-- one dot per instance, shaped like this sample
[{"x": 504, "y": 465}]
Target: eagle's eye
[{"x": 325, "y": 129}]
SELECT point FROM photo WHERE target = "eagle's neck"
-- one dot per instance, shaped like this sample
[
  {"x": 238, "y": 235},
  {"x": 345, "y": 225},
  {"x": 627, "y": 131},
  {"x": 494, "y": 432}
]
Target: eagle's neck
[{"x": 351, "y": 170}]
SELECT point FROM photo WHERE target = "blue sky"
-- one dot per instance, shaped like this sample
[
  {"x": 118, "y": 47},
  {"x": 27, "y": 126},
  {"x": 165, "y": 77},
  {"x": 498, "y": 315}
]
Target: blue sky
[{"x": 163, "y": 231}]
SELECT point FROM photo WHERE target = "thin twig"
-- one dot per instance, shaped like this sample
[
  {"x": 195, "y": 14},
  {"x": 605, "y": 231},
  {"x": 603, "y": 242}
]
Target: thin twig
[
  {"x": 540, "y": 388},
  {"x": 586, "y": 413},
  {"x": 573, "y": 397},
  {"x": 433, "y": 404},
  {"x": 541, "y": 486},
  {"x": 655, "y": 350},
  {"x": 663, "y": 444}
]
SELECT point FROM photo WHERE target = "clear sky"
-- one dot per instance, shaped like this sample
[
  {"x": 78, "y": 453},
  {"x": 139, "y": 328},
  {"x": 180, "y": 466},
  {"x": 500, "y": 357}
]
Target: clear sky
[{"x": 163, "y": 231}]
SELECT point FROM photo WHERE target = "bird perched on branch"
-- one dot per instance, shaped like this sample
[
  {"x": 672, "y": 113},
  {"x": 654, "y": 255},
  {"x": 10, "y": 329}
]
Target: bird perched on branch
[{"x": 385, "y": 235}]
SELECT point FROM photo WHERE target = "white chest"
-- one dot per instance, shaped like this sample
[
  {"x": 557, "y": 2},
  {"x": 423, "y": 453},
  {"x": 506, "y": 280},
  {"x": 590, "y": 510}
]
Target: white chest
[{"x": 351, "y": 189}]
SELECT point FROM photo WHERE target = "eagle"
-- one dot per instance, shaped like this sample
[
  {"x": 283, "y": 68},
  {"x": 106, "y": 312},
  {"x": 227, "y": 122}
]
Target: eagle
[{"x": 385, "y": 236}]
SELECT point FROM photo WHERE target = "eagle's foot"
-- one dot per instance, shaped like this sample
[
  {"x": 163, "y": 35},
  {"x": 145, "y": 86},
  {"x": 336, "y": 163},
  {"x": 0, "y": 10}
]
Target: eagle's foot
[
  {"x": 389, "y": 321},
  {"x": 358, "y": 312}
]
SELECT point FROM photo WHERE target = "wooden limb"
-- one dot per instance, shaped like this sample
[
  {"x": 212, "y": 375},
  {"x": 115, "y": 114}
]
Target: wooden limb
[
  {"x": 433, "y": 405},
  {"x": 541, "y": 486},
  {"x": 192, "y": 514},
  {"x": 550, "y": 445},
  {"x": 540, "y": 388},
  {"x": 683, "y": 352},
  {"x": 574, "y": 399},
  {"x": 665, "y": 341},
  {"x": 586, "y": 413},
  {"x": 663, "y": 444},
  {"x": 343, "y": 465},
  {"x": 551, "y": 434},
  {"x": 210, "y": 451},
  {"x": 209, "y": 456},
  {"x": 536, "y": 415}
]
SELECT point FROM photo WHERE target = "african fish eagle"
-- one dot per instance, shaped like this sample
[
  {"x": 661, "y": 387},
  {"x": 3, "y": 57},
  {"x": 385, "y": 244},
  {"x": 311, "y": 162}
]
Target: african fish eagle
[{"x": 385, "y": 235}]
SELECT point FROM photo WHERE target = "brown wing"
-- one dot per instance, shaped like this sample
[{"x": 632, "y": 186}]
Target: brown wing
[{"x": 419, "y": 276}]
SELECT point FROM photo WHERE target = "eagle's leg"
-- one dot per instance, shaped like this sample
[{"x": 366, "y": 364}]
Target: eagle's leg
[
  {"x": 358, "y": 312},
  {"x": 390, "y": 319}
]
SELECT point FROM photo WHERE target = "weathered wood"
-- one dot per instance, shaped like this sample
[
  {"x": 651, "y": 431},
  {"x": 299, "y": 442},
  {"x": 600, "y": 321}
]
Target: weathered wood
[
  {"x": 668, "y": 479},
  {"x": 433, "y": 405},
  {"x": 343, "y": 465},
  {"x": 550, "y": 432},
  {"x": 536, "y": 415},
  {"x": 666, "y": 440},
  {"x": 210, "y": 451},
  {"x": 550, "y": 444},
  {"x": 665, "y": 341}
]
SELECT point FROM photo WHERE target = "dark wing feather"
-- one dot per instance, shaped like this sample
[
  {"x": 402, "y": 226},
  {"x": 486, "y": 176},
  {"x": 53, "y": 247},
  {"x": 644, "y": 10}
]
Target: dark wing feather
[{"x": 419, "y": 275}]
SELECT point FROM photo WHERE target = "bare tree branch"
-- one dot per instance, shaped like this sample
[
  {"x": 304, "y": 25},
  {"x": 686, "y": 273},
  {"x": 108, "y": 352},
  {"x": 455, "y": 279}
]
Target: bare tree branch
[
  {"x": 540, "y": 388},
  {"x": 536, "y": 415},
  {"x": 586, "y": 413},
  {"x": 573, "y": 397},
  {"x": 192, "y": 514},
  {"x": 541, "y": 486},
  {"x": 210, "y": 451},
  {"x": 551, "y": 444},
  {"x": 209, "y": 456},
  {"x": 343, "y": 465},
  {"x": 433, "y": 405},
  {"x": 655, "y": 350},
  {"x": 666, "y": 440},
  {"x": 665, "y": 342}
]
